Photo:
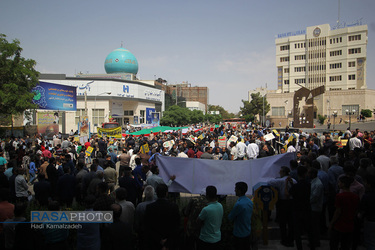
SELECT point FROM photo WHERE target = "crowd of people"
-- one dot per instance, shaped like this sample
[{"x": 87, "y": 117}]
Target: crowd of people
[{"x": 328, "y": 188}]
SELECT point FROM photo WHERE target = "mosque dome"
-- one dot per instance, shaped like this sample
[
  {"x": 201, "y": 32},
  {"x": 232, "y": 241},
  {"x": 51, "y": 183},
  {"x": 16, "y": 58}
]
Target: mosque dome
[{"x": 121, "y": 61}]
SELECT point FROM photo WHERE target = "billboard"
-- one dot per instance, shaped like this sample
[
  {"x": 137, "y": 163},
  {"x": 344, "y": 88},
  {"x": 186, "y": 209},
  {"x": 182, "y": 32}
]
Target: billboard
[
  {"x": 84, "y": 126},
  {"x": 47, "y": 124},
  {"x": 149, "y": 112},
  {"x": 155, "y": 118},
  {"x": 55, "y": 96}
]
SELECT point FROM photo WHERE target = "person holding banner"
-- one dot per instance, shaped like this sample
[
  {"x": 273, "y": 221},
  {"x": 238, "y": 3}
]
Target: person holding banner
[{"x": 284, "y": 206}]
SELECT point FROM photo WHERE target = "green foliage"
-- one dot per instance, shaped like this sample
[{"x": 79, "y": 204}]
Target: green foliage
[
  {"x": 223, "y": 113},
  {"x": 366, "y": 112},
  {"x": 255, "y": 106},
  {"x": 17, "y": 78},
  {"x": 249, "y": 118},
  {"x": 196, "y": 116},
  {"x": 176, "y": 115},
  {"x": 321, "y": 119},
  {"x": 213, "y": 118}
]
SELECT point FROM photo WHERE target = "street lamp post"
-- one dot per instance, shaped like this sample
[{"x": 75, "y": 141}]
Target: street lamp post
[
  {"x": 348, "y": 112},
  {"x": 97, "y": 115},
  {"x": 334, "y": 117},
  {"x": 263, "y": 118}
]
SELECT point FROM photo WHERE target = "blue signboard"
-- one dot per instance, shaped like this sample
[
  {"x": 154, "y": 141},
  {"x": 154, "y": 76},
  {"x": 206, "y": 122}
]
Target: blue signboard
[
  {"x": 55, "y": 96},
  {"x": 149, "y": 112},
  {"x": 155, "y": 119}
]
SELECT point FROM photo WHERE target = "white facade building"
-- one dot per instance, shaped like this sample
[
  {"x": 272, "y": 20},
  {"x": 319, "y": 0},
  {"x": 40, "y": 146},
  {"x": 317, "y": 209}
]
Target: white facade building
[
  {"x": 125, "y": 101},
  {"x": 335, "y": 58},
  {"x": 321, "y": 56},
  {"x": 196, "y": 106}
]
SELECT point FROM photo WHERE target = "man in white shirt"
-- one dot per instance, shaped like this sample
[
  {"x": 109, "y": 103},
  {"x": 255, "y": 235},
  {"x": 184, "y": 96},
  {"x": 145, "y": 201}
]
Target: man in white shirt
[
  {"x": 182, "y": 153},
  {"x": 233, "y": 151},
  {"x": 354, "y": 142},
  {"x": 241, "y": 147},
  {"x": 252, "y": 150}
]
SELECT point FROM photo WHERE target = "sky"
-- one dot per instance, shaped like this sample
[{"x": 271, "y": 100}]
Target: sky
[{"x": 228, "y": 46}]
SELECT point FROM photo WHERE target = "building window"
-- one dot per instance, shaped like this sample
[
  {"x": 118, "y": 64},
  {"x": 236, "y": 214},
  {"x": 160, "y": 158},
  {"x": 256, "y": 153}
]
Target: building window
[
  {"x": 354, "y": 51},
  {"x": 334, "y": 88},
  {"x": 317, "y": 79},
  {"x": 286, "y": 70},
  {"x": 299, "y": 69},
  {"x": 284, "y": 47},
  {"x": 128, "y": 112},
  {"x": 335, "y": 66},
  {"x": 79, "y": 113},
  {"x": 278, "y": 111},
  {"x": 354, "y": 38},
  {"x": 350, "y": 108},
  {"x": 317, "y": 55},
  {"x": 300, "y": 57},
  {"x": 317, "y": 67},
  {"x": 142, "y": 116},
  {"x": 336, "y": 53},
  {"x": 351, "y": 77},
  {"x": 98, "y": 116},
  {"x": 299, "y": 45},
  {"x": 334, "y": 78},
  {"x": 335, "y": 40},
  {"x": 286, "y": 81},
  {"x": 351, "y": 64},
  {"x": 300, "y": 80},
  {"x": 284, "y": 59}
]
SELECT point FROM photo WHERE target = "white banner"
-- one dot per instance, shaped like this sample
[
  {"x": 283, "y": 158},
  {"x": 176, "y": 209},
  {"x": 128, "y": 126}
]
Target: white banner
[{"x": 192, "y": 175}]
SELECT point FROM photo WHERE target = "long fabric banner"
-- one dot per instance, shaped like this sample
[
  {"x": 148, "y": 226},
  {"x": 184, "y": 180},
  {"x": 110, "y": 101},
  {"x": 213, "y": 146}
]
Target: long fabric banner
[
  {"x": 193, "y": 175},
  {"x": 110, "y": 132}
]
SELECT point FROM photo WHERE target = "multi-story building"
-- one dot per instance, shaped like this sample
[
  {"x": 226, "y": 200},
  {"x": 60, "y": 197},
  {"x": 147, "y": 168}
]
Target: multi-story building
[
  {"x": 334, "y": 58},
  {"x": 321, "y": 56},
  {"x": 193, "y": 98}
]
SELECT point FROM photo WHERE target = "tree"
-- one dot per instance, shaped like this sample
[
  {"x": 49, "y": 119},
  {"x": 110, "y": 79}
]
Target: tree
[
  {"x": 366, "y": 112},
  {"x": 213, "y": 118},
  {"x": 224, "y": 114},
  {"x": 255, "y": 106},
  {"x": 178, "y": 116},
  {"x": 17, "y": 78},
  {"x": 175, "y": 115},
  {"x": 196, "y": 116},
  {"x": 321, "y": 118}
]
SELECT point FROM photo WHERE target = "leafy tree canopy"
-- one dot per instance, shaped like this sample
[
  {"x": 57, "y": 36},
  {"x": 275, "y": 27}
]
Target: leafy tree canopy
[
  {"x": 224, "y": 113},
  {"x": 17, "y": 78},
  {"x": 178, "y": 116},
  {"x": 254, "y": 107},
  {"x": 366, "y": 112}
]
